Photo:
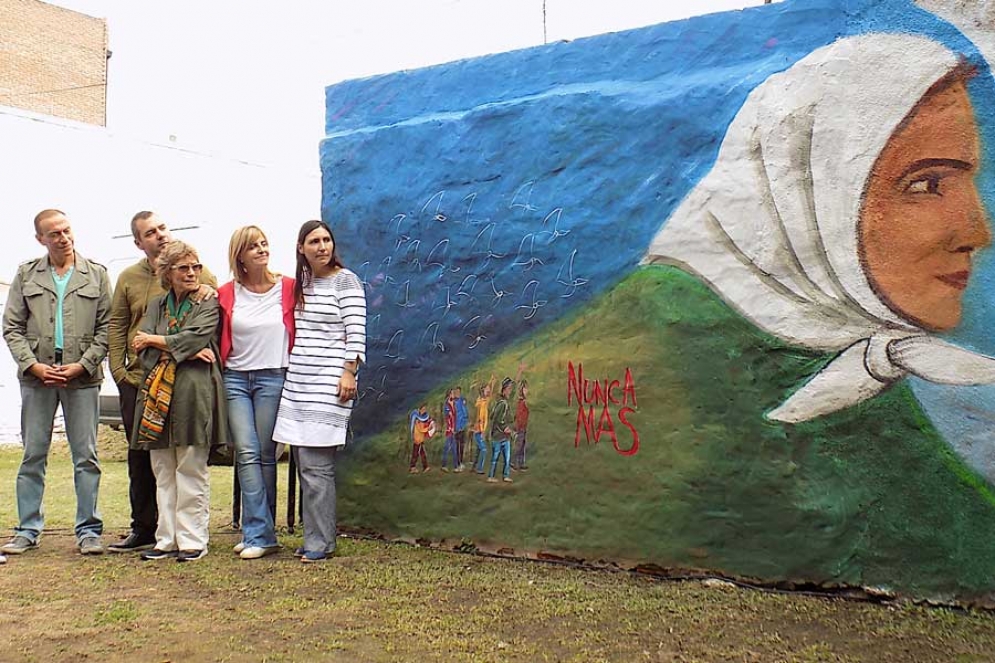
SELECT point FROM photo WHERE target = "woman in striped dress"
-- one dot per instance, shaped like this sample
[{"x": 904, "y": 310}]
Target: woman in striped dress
[{"x": 320, "y": 386}]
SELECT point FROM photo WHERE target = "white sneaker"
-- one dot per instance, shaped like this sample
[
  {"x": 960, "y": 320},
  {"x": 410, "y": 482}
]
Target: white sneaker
[
  {"x": 3, "y": 560},
  {"x": 256, "y": 552},
  {"x": 239, "y": 547}
]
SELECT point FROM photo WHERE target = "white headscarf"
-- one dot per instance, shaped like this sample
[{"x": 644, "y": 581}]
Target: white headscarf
[{"x": 773, "y": 227}]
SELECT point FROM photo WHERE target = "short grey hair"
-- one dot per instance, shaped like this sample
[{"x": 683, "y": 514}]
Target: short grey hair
[{"x": 171, "y": 255}]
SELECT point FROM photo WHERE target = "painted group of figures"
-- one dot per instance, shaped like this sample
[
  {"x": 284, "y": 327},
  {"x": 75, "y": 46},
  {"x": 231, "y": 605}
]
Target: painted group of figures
[
  {"x": 497, "y": 426},
  {"x": 204, "y": 374}
]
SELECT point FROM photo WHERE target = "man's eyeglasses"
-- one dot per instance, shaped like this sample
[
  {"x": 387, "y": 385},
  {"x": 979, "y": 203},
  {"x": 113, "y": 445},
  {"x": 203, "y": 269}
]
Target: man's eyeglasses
[{"x": 196, "y": 268}]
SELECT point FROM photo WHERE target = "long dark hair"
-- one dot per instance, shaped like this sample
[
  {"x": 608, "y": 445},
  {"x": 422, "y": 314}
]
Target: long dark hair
[{"x": 304, "y": 276}]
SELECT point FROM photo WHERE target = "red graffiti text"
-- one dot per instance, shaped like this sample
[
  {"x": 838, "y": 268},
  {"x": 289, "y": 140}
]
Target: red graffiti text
[{"x": 593, "y": 397}]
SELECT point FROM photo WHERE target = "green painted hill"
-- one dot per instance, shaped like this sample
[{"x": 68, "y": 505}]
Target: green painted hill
[{"x": 871, "y": 496}]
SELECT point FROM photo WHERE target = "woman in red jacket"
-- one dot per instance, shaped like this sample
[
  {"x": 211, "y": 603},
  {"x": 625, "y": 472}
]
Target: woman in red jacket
[{"x": 257, "y": 333}]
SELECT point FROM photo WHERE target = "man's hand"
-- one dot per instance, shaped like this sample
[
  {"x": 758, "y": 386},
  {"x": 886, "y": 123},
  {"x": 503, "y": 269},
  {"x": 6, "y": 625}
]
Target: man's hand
[
  {"x": 49, "y": 375},
  {"x": 70, "y": 371},
  {"x": 206, "y": 355},
  {"x": 204, "y": 292}
]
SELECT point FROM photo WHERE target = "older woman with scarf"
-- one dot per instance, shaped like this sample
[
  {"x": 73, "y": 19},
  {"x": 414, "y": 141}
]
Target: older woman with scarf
[{"x": 181, "y": 414}]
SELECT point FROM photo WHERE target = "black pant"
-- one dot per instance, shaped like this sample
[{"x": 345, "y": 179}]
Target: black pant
[{"x": 144, "y": 515}]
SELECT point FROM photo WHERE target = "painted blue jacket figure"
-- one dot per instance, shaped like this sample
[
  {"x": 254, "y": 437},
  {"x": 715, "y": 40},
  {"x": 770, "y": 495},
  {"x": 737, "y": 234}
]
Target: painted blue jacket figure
[{"x": 462, "y": 421}]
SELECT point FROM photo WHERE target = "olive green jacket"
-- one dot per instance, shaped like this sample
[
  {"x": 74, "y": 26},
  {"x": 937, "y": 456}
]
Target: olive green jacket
[
  {"x": 29, "y": 319},
  {"x": 197, "y": 414}
]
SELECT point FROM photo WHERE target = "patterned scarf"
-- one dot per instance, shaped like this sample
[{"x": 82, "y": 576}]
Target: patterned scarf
[{"x": 157, "y": 392}]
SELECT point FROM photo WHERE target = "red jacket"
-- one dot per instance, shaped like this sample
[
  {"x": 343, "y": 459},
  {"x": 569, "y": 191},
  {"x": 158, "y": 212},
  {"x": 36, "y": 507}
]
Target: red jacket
[
  {"x": 226, "y": 298},
  {"x": 522, "y": 416}
]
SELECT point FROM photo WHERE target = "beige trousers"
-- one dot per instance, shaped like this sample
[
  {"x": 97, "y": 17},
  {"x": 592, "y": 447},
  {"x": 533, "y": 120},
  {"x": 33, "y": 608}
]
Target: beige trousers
[{"x": 183, "y": 495}]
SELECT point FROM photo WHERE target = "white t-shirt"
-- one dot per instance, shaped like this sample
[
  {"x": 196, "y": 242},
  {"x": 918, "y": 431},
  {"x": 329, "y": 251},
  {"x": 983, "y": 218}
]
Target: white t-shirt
[{"x": 259, "y": 339}]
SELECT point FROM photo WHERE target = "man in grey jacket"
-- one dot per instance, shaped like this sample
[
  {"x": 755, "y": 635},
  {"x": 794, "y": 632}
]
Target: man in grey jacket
[{"x": 55, "y": 324}]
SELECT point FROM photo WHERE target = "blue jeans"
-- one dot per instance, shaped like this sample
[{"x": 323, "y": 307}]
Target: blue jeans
[
  {"x": 253, "y": 399},
  {"x": 499, "y": 447},
  {"x": 79, "y": 408},
  {"x": 481, "y": 453},
  {"x": 449, "y": 449}
]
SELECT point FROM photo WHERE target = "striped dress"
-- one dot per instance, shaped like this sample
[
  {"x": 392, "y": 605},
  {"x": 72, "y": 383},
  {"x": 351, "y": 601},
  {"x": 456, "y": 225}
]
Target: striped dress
[{"x": 330, "y": 331}]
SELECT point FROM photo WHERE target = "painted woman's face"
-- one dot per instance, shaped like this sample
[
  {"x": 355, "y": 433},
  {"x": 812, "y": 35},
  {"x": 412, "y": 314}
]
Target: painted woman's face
[{"x": 922, "y": 218}]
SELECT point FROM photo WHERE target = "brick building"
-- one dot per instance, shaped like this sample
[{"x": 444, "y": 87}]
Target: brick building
[{"x": 53, "y": 61}]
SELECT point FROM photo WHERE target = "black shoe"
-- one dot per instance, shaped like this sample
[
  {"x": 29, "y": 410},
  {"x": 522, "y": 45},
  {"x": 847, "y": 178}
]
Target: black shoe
[
  {"x": 155, "y": 553},
  {"x": 133, "y": 543},
  {"x": 191, "y": 555}
]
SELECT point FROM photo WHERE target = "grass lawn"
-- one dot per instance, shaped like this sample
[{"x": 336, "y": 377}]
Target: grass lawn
[{"x": 377, "y": 601}]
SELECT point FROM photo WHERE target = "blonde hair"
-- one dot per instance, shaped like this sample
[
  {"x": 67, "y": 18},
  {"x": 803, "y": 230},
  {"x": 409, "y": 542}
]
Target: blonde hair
[
  {"x": 242, "y": 239},
  {"x": 171, "y": 255}
]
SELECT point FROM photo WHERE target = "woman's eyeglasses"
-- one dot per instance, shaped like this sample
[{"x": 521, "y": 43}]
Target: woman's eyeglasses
[{"x": 195, "y": 268}]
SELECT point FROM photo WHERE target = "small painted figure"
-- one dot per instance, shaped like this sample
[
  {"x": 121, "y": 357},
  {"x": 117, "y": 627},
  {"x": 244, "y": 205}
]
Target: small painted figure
[
  {"x": 462, "y": 420},
  {"x": 480, "y": 434},
  {"x": 521, "y": 426},
  {"x": 501, "y": 431},
  {"x": 422, "y": 428},
  {"x": 449, "y": 448}
]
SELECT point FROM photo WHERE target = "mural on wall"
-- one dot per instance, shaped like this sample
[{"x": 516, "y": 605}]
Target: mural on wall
[
  {"x": 842, "y": 215},
  {"x": 709, "y": 294}
]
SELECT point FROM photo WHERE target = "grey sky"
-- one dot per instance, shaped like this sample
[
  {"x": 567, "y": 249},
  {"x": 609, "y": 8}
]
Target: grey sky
[{"x": 246, "y": 78}]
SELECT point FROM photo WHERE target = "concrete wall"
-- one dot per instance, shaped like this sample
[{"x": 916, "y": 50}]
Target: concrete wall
[
  {"x": 54, "y": 61},
  {"x": 741, "y": 262}
]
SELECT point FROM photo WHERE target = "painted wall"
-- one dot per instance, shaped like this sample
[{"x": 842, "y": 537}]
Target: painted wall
[{"x": 741, "y": 263}]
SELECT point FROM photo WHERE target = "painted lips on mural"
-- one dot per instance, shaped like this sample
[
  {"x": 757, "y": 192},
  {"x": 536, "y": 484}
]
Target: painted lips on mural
[{"x": 842, "y": 214}]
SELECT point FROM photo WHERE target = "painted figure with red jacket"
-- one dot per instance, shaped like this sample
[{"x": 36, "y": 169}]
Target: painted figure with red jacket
[
  {"x": 521, "y": 427},
  {"x": 449, "y": 449}
]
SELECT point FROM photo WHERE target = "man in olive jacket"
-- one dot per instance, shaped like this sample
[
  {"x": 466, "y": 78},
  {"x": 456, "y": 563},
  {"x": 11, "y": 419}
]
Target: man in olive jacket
[
  {"x": 55, "y": 324},
  {"x": 136, "y": 287}
]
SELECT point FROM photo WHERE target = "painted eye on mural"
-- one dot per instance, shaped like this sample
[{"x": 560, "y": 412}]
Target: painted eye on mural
[{"x": 928, "y": 183}]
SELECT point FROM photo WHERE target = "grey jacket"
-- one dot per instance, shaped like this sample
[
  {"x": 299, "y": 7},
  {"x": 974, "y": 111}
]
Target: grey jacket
[{"x": 29, "y": 319}]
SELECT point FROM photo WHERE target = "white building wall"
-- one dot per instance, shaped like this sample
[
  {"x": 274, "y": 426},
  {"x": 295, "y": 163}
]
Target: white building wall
[{"x": 100, "y": 180}]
